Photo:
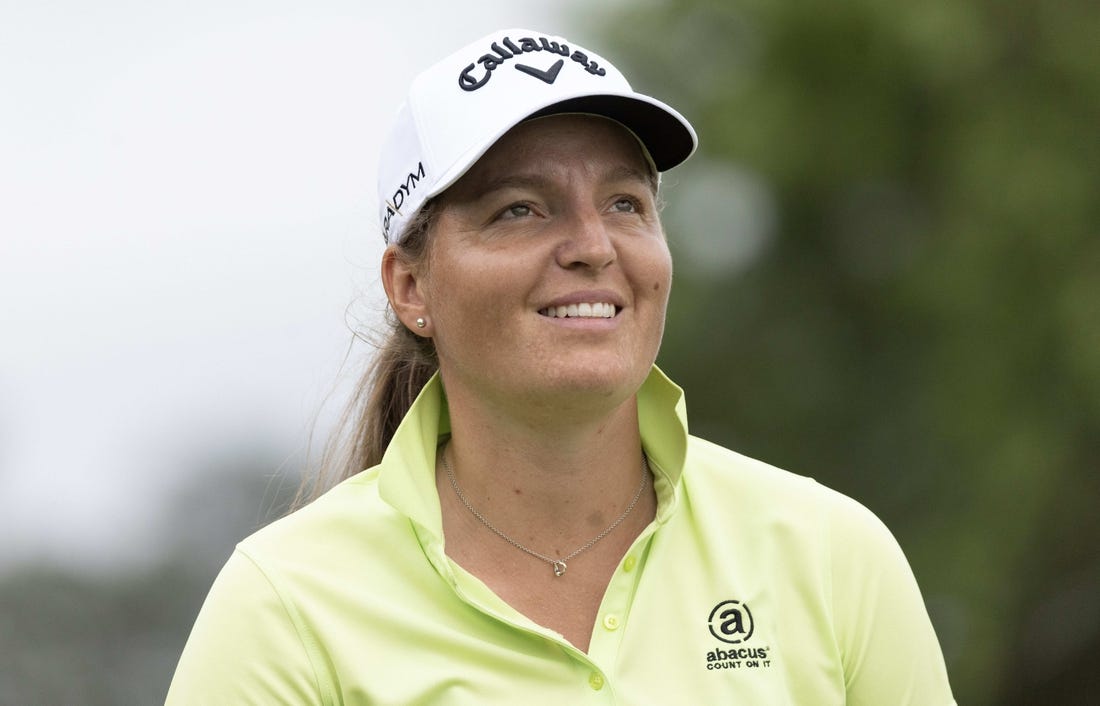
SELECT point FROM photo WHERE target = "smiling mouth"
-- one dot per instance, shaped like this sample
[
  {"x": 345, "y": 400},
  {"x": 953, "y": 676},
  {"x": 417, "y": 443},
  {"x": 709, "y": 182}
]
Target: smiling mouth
[{"x": 586, "y": 310}]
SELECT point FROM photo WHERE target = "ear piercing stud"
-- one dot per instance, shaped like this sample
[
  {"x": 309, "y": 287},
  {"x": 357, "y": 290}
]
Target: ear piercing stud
[{"x": 420, "y": 322}]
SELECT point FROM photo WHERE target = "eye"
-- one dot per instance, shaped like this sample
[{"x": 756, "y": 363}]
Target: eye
[
  {"x": 625, "y": 204},
  {"x": 516, "y": 210}
]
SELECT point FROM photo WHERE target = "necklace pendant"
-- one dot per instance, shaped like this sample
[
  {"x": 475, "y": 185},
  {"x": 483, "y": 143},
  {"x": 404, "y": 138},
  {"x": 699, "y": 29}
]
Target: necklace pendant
[{"x": 559, "y": 567}]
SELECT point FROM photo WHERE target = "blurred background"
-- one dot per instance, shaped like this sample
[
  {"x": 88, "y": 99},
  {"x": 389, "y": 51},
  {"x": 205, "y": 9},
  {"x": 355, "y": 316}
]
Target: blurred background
[{"x": 887, "y": 278}]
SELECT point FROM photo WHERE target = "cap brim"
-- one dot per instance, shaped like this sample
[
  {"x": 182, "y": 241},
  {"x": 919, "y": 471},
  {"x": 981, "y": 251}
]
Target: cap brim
[{"x": 666, "y": 134}]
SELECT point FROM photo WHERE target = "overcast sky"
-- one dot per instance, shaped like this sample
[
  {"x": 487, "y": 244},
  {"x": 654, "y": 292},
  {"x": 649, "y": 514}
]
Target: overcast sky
[{"x": 186, "y": 210}]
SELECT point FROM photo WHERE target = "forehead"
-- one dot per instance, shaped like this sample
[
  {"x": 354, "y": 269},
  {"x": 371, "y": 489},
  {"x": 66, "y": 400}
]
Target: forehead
[{"x": 561, "y": 146}]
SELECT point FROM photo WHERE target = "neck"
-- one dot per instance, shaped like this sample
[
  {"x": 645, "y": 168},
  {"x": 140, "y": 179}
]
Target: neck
[{"x": 563, "y": 473}]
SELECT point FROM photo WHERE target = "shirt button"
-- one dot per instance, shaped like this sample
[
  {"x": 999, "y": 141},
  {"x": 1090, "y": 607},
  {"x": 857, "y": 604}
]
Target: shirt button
[
  {"x": 629, "y": 564},
  {"x": 595, "y": 680},
  {"x": 611, "y": 622}
]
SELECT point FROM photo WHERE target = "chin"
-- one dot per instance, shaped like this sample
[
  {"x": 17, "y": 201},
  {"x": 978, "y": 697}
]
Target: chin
[{"x": 600, "y": 382}]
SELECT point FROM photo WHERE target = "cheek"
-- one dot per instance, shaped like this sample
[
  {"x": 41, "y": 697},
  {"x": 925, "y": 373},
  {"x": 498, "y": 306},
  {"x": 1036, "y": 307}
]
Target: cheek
[
  {"x": 661, "y": 282},
  {"x": 653, "y": 283},
  {"x": 464, "y": 300},
  {"x": 661, "y": 272}
]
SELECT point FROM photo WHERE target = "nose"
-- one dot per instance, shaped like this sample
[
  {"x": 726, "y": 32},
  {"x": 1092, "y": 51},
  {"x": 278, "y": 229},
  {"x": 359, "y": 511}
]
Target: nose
[{"x": 586, "y": 242}]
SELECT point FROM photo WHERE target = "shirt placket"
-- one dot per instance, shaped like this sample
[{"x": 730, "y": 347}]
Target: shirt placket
[{"x": 612, "y": 620}]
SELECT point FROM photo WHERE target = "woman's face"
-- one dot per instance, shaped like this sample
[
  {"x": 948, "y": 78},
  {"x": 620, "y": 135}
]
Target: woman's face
[{"x": 549, "y": 273}]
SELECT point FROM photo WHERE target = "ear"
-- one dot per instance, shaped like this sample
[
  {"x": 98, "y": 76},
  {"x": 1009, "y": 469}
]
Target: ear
[{"x": 404, "y": 287}]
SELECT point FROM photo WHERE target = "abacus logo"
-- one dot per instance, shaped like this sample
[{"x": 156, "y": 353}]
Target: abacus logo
[{"x": 731, "y": 622}]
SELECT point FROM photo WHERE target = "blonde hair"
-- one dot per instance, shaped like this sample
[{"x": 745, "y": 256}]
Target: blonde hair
[{"x": 383, "y": 395}]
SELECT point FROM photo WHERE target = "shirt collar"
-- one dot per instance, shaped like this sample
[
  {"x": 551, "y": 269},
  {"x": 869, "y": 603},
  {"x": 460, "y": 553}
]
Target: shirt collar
[{"x": 407, "y": 473}]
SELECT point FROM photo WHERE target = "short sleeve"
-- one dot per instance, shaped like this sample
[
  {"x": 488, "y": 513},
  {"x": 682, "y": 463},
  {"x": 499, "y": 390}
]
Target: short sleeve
[
  {"x": 888, "y": 647},
  {"x": 245, "y": 646}
]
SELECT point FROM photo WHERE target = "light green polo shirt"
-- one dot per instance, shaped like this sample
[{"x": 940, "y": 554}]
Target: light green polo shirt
[{"x": 751, "y": 586}]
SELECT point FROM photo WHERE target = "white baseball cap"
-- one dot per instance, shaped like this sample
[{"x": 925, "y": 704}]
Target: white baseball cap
[{"x": 457, "y": 109}]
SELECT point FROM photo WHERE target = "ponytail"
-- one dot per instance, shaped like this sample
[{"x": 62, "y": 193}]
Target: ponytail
[{"x": 383, "y": 395}]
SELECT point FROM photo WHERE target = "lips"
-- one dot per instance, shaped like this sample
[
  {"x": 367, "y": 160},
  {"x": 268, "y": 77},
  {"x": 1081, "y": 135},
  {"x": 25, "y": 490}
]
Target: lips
[{"x": 583, "y": 310}]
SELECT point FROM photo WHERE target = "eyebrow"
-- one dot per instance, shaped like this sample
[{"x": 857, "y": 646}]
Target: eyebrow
[
  {"x": 624, "y": 173},
  {"x": 536, "y": 180},
  {"x": 510, "y": 181}
]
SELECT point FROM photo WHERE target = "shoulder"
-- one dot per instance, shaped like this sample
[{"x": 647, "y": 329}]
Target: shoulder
[
  {"x": 850, "y": 550},
  {"x": 257, "y": 638},
  {"x": 759, "y": 500},
  {"x": 822, "y": 559},
  {"x": 347, "y": 537},
  {"x": 348, "y": 540},
  {"x": 723, "y": 471},
  {"x": 351, "y": 507}
]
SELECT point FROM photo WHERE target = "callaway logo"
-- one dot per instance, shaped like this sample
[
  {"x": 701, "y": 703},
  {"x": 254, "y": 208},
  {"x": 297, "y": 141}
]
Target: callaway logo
[
  {"x": 549, "y": 76},
  {"x": 500, "y": 54}
]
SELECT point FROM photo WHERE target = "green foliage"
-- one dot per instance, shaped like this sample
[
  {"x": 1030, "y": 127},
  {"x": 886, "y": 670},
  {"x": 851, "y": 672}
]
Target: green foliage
[
  {"x": 73, "y": 637},
  {"x": 919, "y": 323}
]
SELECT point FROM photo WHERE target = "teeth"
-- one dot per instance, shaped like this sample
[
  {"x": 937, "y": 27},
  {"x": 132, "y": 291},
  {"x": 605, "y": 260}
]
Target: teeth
[{"x": 587, "y": 310}]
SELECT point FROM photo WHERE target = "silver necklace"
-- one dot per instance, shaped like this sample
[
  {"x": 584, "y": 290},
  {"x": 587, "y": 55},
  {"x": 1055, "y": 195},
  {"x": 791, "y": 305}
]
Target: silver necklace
[{"x": 558, "y": 565}]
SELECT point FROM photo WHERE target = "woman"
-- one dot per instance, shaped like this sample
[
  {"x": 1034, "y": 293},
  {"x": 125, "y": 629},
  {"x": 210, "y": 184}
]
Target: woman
[{"x": 538, "y": 526}]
